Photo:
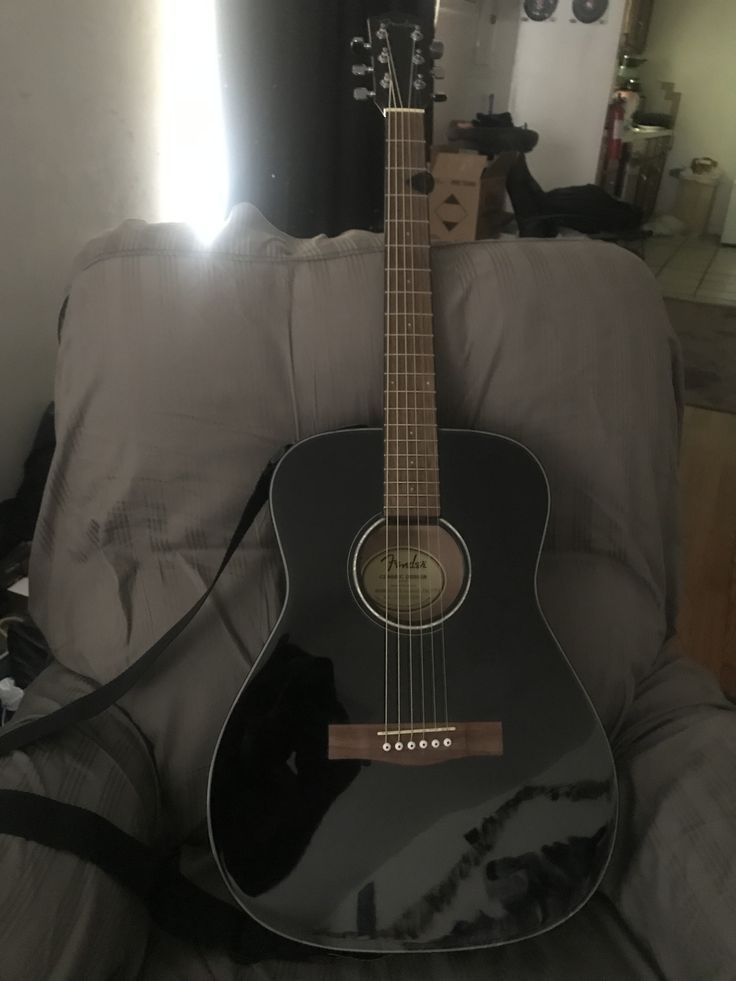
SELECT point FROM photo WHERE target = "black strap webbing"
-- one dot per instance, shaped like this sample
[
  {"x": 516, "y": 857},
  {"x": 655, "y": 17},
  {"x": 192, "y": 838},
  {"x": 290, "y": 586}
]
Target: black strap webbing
[
  {"x": 101, "y": 698},
  {"x": 175, "y": 904}
]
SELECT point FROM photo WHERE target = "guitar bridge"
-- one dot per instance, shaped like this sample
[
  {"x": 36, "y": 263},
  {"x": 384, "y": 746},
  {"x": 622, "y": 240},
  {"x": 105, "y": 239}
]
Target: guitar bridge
[{"x": 418, "y": 746}]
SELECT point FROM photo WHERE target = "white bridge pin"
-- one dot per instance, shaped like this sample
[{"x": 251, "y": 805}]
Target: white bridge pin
[
  {"x": 411, "y": 744},
  {"x": 435, "y": 743},
  {"x": 422, "y": 743},
  {"x": 399, "y": 746},
  {"x": 387, "y": 747},
  {"x": 448, "y": 741}
]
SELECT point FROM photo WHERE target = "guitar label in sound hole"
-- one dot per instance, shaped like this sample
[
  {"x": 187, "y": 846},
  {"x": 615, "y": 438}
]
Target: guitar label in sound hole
[
  {"x": 410, "y": 574},
  {"x": 403, "y": 580}
]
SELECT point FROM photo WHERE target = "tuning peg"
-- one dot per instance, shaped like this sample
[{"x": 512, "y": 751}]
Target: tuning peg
[
  {"x": 439, "y": 97},
  {"x": 361, "y": 69},
  {"x": 436, "y": 49},
  {"x": 362, "y": 94},
  {"x": 358, "y": 45}
]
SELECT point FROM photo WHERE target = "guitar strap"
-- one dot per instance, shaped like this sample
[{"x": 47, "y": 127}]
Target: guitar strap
[{"x": 175, "y": 904}]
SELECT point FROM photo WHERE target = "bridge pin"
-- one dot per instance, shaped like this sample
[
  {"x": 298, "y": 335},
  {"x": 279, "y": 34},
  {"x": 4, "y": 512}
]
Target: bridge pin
[
  {"x": 435, "y": 743},
  {"x": 387, "y": 747},
  {"x": 399, "y": 746}
]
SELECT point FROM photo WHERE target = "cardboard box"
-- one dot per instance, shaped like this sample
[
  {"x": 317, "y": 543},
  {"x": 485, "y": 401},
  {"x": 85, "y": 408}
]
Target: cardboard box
[{"x": 469, "y": 194}]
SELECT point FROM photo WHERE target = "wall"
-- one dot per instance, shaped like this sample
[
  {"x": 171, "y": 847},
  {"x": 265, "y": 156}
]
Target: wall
[
  {"x": 480, "y": 46},
  {"x": 459, "y": 24},
  {"x": 555, "y": 76},
  {"x": 561, "y": 85},
  {"x": 78, "y": 104},
  {"x": 692, "y": 45}
]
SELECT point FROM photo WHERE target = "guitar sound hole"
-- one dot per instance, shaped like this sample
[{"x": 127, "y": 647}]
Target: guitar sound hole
[{"x": 411, "y": 574}]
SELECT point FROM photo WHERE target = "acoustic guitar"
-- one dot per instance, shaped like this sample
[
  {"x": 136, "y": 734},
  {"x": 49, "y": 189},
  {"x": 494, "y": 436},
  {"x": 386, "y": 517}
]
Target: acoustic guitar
[{"x": 412, "y": 764}]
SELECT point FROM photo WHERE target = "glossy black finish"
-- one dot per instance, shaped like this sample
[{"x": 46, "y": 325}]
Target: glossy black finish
[{"x": 376, "y": 857}]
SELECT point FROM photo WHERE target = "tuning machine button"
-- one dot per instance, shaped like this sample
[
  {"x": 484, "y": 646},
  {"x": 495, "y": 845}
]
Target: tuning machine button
[
  {"x": 439, "y": 97},
  {"x": 361, "y": 69},
  {"x": 362, "y": 93},
  {"x": 436, "y": 49},
  {"x": 358, "y": 45}
]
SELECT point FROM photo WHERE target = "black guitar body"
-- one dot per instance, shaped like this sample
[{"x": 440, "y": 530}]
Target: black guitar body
[{"x": 383, "y": 854}]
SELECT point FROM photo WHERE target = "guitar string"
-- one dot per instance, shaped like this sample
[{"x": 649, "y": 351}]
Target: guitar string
[
  {"x": 401, "y": 423},
  {"x": 436, "y": 475},
  {"x": 437, "y": 538},
  {"x": 417, "y": 598},
  {"x": 432, "y": 441},
  {"x": 395, "y": 99},
  {"x": 431, "y": 445},
  {"x": 406, "y": 281},
  {"x": 387, "y": 408},
  {"x": 413, "y": 328},
  {"x": 404, "y": 121},
  {"x": 423, "y": 496}
]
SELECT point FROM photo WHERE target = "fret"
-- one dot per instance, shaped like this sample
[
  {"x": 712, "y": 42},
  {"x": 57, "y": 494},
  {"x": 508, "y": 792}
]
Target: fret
[
  {"x": 427, "y": 514},
  {"x": 405, "y": 274},
  {"x": 416, "y": 313},
  {"x": 406, "y": 221},
  {"x": 415, "y": 391},
  {"x": 410, "y": 358},
  {"x": 414, "y": 481},
  {"x": 407, "y": 381}
]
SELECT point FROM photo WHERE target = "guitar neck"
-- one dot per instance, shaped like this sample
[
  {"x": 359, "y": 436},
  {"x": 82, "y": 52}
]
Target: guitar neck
[{"x": 411, "y": 479}]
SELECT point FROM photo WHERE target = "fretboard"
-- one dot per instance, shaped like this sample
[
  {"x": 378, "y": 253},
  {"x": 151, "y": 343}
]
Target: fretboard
[{"x": 411, "y": 478}]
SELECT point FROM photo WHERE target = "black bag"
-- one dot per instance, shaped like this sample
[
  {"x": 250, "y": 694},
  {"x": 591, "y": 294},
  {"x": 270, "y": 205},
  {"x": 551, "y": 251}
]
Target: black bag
[
  {"x": 592, "y": 210},
  {"x": 588, "y": 208}
]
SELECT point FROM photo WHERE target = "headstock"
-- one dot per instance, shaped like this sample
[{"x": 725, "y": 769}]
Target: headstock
[{"x": 399, "y": 57}]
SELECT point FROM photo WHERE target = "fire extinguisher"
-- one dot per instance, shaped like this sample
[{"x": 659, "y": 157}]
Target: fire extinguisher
[{"x": 615, "y": 142}]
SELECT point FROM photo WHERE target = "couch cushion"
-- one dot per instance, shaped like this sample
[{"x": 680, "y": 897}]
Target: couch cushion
[{"x": 183, "y": 369}]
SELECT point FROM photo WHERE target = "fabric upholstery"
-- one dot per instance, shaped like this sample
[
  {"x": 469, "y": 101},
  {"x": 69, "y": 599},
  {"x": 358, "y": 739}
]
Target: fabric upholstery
[{"x": 182, "y": 369}]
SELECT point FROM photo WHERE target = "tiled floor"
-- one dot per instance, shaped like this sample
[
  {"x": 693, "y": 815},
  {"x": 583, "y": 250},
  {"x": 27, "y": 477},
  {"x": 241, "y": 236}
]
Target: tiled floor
[{"x": 694, "y": 268}]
